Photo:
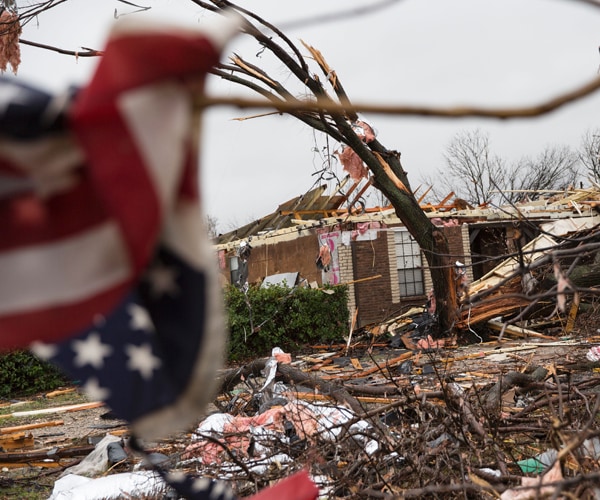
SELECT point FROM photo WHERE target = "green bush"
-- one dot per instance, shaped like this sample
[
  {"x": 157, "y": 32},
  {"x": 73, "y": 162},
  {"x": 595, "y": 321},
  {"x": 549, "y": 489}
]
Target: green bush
[
  {"x": 281, "y": 317},
  {"x": 21, "y": 374},
  {"x": 262, "y": 319}
]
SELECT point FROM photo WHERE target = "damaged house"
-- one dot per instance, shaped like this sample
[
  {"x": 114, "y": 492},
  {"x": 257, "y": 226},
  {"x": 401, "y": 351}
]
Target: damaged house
[{"x": 310, "y": 240}]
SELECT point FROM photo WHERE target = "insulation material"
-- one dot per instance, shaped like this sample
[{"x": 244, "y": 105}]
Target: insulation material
[
  {"x": 222, "y": 263},
  {"x": 10, "y": 52},
  {"x": 332, "y": 240},
  {"x": 240, "y": 433},
  {"x": 324, "y": 258},
  {"x": 366, "y": 231},
  {"x": 351, "y": 162}
]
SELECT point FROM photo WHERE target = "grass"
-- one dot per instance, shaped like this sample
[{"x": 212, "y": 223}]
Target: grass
[
  {"x": 25, "y": 485},
  {"x": 38, "y": 402}
]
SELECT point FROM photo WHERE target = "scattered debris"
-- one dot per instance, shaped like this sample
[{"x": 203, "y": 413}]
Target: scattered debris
[{"x": 121, "y": 485}]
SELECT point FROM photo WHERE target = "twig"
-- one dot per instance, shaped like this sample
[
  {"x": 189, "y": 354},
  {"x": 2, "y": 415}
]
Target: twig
[{"x": 85, "y": 52}]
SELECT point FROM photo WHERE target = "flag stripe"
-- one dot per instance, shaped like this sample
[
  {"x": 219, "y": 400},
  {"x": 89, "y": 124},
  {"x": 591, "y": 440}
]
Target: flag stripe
[
  {"x": 30, "y": 220},
  {"x": 50, "y": 324},
  {"x": 122, "y": 181},
  {"x": 173, "y": 56},
  {"x": 157, "y": 115},
  {"x": 64, "y": 272},
  {"x": 45, "y": 157}
]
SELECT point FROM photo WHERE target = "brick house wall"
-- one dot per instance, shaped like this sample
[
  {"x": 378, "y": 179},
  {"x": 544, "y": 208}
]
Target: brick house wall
[
  {"x": 380, "y": 298},
  {"x": 376, "y": 298},
  {"x": 373, "y": 297},
  {"x": 347, "y": 275},
  {"x": 274, "y": 256}
]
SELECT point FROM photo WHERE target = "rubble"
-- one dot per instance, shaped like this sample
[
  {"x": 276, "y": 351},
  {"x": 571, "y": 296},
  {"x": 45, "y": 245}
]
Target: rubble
[
  {"x": 377, "y": 421},
  {"x": 506, "y": 409}
]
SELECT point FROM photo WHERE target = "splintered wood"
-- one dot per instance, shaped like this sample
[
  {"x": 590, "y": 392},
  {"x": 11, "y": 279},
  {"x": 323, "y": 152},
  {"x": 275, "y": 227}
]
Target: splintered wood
[{"x": 33, "y": 444}]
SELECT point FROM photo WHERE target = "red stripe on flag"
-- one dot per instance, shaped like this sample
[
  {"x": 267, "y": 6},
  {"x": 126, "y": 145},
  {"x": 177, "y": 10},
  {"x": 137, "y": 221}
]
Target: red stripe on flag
[
  {"x": 125, "y": 64},
  {"x": 50, "y": 325},
  {"x": 121, "y": 178},
  {"x": 28, "y": 220}
]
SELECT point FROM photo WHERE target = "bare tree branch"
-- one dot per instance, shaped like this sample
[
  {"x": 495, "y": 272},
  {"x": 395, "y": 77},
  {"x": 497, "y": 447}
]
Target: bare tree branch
[
  {"x": 454, "y": 112},
  {"x": 85, "y": 52}
]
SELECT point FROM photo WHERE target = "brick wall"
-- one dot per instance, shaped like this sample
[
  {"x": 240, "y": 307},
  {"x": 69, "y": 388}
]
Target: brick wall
[
  {"x": 347, "y": 275},
  {"x": 287, "y": 256},
  {"x": 374, "y": 296},
  {"x": 454, "y": 234},
  {"x": 376, "y": 299}
]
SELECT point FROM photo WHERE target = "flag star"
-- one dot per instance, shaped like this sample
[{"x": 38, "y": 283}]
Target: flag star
[
  {"x": 43, "y": 351},
  {"x": 218, "y": 490},
  {"x": 142, "y": 359},
  {"x": 176, "y": 477},
  {"x": 163, "y": 280},
  {"x": 140, "y": 319},
  {"x": 12, "y": 94},
  {"x": 90, "y": 351},
  {"x": 94, "y": 391},
  {"x": 201, "y": 484}
]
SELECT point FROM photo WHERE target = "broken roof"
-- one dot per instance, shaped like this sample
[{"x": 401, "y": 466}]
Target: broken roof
[{"x": 314, "y": 209}]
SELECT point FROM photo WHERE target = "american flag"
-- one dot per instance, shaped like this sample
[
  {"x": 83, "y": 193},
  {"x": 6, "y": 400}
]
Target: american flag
[{"x": 106, "y": 268}]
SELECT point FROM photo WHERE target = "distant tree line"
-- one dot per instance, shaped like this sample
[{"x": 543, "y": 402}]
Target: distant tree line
[{"x": 479, "y": 176}]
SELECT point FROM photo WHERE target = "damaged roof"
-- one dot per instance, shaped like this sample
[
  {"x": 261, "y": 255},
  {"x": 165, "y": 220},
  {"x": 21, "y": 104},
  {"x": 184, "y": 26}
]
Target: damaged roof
[{"x": 315, "y": 209}]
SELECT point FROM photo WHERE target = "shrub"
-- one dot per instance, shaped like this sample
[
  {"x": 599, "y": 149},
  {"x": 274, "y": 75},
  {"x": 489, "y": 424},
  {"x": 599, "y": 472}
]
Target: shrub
[
  {"x": 282, "y": 317},
  {"x": 21, "y": 373}
]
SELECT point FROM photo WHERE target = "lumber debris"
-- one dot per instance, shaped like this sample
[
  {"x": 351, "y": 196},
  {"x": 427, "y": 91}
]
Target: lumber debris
[
  {"x": 26, "y": 427},
  {"x": 17, "y": 440},
  {"x": 44, "y": 455},
  {"x": 58, "y": 409},
  {"x": 60, "y": 392}
]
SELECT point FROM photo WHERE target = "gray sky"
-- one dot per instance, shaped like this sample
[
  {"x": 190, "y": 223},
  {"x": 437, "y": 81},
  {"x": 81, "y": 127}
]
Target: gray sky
[{"x": 430, "y": 52}]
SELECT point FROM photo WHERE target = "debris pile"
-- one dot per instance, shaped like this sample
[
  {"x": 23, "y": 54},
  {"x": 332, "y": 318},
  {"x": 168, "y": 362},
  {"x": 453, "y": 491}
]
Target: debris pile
[
  {"x": 393, "y": 412},
  {"x": 374, "y": 421}
]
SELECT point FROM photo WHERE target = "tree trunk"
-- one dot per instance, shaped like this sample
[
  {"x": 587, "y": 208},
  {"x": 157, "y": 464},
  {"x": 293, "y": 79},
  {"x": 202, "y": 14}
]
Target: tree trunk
[
  {"x": 385, "y": 165},
  {"x": 430, "y": 238},
  {"x": 586, "y": 276}
]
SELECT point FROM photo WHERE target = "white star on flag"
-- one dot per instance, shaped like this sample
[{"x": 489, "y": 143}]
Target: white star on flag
[
  {"x": 43, "y": 351},
  {"x": 176, "y": 477},
  {"x": 140, "y": 319},
  {"x": 162, "y": 281},
  {"x": 94, "y": 391},
  {"x": 201, "y": 484},
  {"x": 142, "y": 359},
  {"x": 11, "y": 94},
  {"x": 90, "y": 351}
]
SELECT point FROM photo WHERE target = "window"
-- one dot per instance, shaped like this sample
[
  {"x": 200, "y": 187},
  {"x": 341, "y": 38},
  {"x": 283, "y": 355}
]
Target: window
[{"x": 408, "y": 263}]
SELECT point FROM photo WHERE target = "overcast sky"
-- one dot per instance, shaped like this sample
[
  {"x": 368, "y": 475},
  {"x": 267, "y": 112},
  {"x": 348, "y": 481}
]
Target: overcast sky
[{"x": 432, "y": 52}]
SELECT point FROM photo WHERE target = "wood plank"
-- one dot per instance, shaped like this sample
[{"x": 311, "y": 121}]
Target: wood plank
[
  {"x": 311, "y": 396},
  {"x": 28, "y": 456},
  {"x": 16, "y": 441},
  {"x": 517, "y": 330},
  {"x": 356, "y": 363},
  {"x": 25, "y": 427},
  {"x": 18, "y": 465},
  {"x": 58, "y": 409},
  {"x": 60, "y": 392}
]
